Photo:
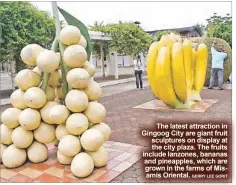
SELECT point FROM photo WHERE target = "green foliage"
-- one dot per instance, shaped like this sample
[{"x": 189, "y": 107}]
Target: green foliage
[
  {"x": 220, "y": 27},
  {"x": 23, "y": 24},
  {"x": 127, "y": 38},
  {"x": 71, "y": 20},
  {"x": 219, "y": 43},
  {"x": 158, "y": 36}
]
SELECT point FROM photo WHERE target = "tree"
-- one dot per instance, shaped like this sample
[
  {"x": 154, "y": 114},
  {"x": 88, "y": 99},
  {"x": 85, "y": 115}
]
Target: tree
[
  {"x": 158, "y": 35},
  {"x": 220, "y": 27},
  {"x": 96, "y": 24},
  {"x": 127, "y": 38},
  {"x": 22, "y": 24}
]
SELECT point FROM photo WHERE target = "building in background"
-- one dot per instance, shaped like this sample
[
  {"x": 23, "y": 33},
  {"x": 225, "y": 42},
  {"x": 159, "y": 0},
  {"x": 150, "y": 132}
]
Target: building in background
[
  {"x": 187, "y": 32},
  {"x": 122, "y": 61}
]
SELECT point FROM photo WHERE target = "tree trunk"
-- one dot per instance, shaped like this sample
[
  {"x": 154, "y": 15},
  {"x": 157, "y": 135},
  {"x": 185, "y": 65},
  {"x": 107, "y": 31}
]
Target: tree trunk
[{"x": 12, "y": 71}]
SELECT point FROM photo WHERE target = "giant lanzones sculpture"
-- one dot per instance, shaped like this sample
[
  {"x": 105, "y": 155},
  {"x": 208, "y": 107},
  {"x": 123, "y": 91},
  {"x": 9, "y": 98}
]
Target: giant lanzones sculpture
[{"x": 57, "y": 101}]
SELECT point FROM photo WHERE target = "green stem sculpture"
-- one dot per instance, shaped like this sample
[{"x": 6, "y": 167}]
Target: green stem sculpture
[{"x": 64, "y": 68}]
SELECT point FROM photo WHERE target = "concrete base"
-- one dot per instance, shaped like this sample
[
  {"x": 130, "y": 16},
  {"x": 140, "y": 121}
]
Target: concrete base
[{"x": 159, "y": 105}]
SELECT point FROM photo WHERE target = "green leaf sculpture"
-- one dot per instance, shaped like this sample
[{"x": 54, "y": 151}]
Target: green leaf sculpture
[{"x": 71, "y": 20}]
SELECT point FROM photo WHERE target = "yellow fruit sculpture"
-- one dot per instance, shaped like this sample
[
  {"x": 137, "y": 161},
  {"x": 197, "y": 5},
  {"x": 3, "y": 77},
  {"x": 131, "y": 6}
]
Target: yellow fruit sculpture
[
  {"x": 200, "y": 71},
  {"x": 176, "y": 71},
  {"x": 56, "y": 104}
]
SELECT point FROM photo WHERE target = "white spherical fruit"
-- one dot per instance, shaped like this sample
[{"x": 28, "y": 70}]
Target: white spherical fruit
[
  {"x": 104, "y": 129},
  {"x": 30, "y": 119},
  {"x": 50, "y": 93},
  {"x": 29, "y": 54},
  {"x": 76, "y": 101},
  {"x": 3, "y": 147},
  {"x": 93, "y": 91},
  {"x": 22, "y": 138},
  {"x": 27, "y": 78},
  {"x": 90, "y": 68},
  {"x": 17, "y": 99},
  {"x": 95, "y": 112},
  {"x": 37, "y": 152},
  {"x": 82, "y": 165},
  {"x": 100, "y": 157},
  {"x": 69, "y": 146},
  {"x": 35, "y": 97},
  {"x": 5, "y": 134},
  {"x": 10, "y": 117},
  {"x": 37, "y": 70},
  {"x": 75, "y": 56},
  {"x": 82, "y": 42},
  {"x": 58, "y": 114},
  {"x": 77, "y": 123},
  {"x": 13, "y": 157},
  {"x": 48, "y": 61},
  {"x": 70, "y": 35},
  {"x": 45, "y": 133},
  {"x": 44, "y": 111},
  {"x": 63, "y": 159},
  {"x": 91, "y": 140},
  {"x": 78, "y": 78},
  {"x": 61, "y": 131},
  {"x": 58, "y": 93},
  {"x": 54, "y": 79}
]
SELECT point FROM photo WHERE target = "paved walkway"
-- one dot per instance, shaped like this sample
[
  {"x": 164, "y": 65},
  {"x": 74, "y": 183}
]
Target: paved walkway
[{"x": 120, "y": 88}]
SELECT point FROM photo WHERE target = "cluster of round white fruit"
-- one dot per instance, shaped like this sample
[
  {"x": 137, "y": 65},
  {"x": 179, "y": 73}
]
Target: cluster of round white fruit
[{"x": 38, "y": 118}]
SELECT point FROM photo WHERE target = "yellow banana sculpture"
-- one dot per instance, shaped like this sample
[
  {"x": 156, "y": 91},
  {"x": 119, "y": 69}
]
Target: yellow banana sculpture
[
  {"x": 163, "y": 78},
  {"x": 201, "y": 67},
  {"x": 176, "y": 72},
  {"x": 187, "y": 49},
  {"x": 166, "y": 40},
  {"x": 151, "y": 63},
  {"x": 194, "y": 95},
  {"x": 173, "y": 37},
  {"x": 201, "y": 57},
  {"x": 193, "y": 64},
  {"x": 179, "y": 39}
]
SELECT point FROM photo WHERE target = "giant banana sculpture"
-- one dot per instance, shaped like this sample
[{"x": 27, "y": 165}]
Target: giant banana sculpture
[{"x": 176, "y": 71}]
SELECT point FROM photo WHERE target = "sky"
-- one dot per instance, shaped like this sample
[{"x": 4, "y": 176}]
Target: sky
[{"x": 152, "y": 15}]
